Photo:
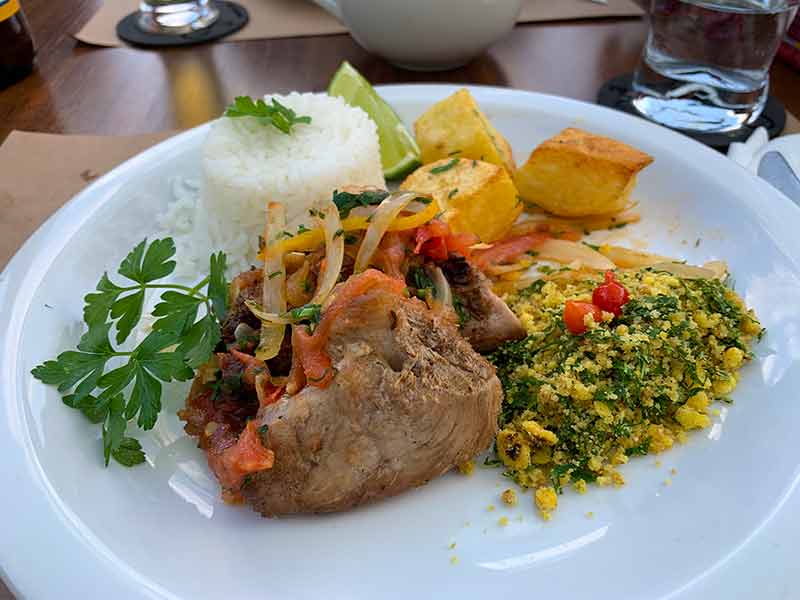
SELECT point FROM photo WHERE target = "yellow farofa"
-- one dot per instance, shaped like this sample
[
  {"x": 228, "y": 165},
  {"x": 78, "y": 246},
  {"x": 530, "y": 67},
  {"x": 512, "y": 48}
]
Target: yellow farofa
[{"x": 578, "y": 407}]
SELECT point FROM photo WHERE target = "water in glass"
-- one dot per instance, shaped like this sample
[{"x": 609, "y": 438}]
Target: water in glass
[
  {"x": 705, "y": 66},
  {"x": 176, "y": 16}
]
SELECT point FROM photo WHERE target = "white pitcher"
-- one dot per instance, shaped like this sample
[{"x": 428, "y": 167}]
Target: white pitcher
[{"x": 426, "y": 35}]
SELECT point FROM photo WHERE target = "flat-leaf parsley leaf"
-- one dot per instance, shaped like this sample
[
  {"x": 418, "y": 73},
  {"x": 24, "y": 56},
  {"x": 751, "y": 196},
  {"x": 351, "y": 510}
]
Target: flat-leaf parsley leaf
[
  {"x": 276, "y": 114},
  {"x": 178, "y": 343}
]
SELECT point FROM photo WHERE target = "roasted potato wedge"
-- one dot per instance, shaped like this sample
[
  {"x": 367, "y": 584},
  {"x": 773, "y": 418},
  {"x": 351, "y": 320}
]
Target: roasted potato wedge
[
  {"x": 478, "y": 197},
  {"x": 578, "y": 174},
  {"x": 456, "y": 126}
]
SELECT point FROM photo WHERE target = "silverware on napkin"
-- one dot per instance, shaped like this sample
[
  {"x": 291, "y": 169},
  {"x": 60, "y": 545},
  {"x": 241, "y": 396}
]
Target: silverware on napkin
[{"x": 779, "y": 174}]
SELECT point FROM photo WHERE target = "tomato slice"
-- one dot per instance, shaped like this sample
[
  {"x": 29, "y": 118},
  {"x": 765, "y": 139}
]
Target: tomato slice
[
  {"x": 575, "y": 312},
  {"x": 437, "y": 242},
  {"x": 247, "y": 455},
  {"x": 508, "y": 249}
]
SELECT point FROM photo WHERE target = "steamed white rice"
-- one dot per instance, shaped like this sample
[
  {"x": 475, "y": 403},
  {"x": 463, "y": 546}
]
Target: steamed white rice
[{"x": 246, "y": 164}]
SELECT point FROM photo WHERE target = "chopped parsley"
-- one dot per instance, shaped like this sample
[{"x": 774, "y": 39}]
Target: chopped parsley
[
  {"x": 308, "y": 313},
  {"x": 461, "y": 310},
  {"x": 421, "y": 282},
  {"x": 624, "y": 388},
  {"x": 346, "y": 201},
  {"x": 445, "y": 167}
]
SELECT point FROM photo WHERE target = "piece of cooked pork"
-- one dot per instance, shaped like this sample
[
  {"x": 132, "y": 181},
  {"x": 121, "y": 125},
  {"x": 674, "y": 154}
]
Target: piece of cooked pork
[
  {"x": 410, "y": 400},
  {"x": 490, "y": 321}
]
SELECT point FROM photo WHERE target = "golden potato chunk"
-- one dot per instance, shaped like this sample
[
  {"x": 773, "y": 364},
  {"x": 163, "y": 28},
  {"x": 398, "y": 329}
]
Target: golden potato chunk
[
  {"x": 478, "y": 197},
  {"x": 456, "y": 126},
  {"x": 579, "y": 174}
]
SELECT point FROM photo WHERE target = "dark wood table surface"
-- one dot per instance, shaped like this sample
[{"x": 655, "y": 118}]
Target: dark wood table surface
[{"x": 83, "y": 89}]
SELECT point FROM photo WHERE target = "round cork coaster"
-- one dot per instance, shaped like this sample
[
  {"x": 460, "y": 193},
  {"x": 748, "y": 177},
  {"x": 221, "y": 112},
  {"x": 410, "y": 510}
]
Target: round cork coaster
[
  {"x": 618, "y": 94},
  {"x": 232, "y": 17}
]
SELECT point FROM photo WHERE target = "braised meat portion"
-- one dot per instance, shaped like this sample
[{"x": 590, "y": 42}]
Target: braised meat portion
[
  {"x": 489, "y": 321},
  {"x": 410, "y": 400}
]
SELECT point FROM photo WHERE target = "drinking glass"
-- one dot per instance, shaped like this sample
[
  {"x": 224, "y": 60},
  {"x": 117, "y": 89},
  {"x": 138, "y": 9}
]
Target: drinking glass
[
  {"x": 176, "y": 16},
  {"x": 705, "y": 66}
]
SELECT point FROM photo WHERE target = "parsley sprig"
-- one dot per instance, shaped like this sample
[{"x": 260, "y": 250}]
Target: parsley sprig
[
  {"x": 275, "y": 113},
  {"x": 178, "y": 343}
]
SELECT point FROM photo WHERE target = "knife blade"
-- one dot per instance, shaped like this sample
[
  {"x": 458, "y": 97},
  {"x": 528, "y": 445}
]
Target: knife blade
[{"x": 780, "y": 175}]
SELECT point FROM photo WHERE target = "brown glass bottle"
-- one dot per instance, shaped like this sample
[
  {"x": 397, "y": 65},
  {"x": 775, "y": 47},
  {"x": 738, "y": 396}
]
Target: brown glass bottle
[{"x": 16, "y": 45}]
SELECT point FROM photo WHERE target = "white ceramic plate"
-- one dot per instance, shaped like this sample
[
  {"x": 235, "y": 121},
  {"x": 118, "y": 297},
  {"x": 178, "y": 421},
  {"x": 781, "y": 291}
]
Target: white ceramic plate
[{"x": 727, "y": 525}]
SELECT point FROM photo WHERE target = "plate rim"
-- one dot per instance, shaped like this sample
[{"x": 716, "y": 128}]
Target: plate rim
[{"x": 16, "y": 444}]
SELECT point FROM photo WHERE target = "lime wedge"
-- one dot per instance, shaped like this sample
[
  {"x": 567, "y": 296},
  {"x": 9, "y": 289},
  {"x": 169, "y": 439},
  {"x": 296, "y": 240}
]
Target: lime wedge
[{"x": 399, "y": 151}]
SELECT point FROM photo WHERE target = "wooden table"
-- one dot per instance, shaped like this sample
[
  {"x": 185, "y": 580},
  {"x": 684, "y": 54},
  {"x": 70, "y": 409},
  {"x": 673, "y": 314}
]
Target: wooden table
[{"x": 82, "y": 89}]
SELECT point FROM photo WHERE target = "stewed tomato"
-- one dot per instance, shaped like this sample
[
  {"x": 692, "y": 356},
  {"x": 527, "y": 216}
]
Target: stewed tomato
[
  {"x": 611, "y": 295},
  {"x": 575, "y": 313}
]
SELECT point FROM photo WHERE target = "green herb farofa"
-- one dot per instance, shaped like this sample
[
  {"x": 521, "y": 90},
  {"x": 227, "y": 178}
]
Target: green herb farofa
[{"x": 578, "y": 406}]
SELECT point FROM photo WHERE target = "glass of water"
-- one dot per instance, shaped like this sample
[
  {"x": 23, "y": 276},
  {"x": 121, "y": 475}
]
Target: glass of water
[
  {"x": 705, "y": 66},
  {"x": 176, "y": 16}
]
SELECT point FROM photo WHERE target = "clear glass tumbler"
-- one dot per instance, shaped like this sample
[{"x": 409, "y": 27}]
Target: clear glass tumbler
[
  {"x": 176, "y": 16},
  {"x": 705, "y": 66}
]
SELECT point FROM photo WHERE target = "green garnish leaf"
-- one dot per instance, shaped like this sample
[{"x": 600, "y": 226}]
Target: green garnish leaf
[
  {"x": 276, "y": 114},
  {"x": 217, "y": 286},
  {"x": 127, "y": 310},
  {"x": 114, "y": 428},
  {"x": 98, "y": 304},
  {"x": 144, "y": 267},
  {"x": 309, "y": 313},
  {"x": 178, "y": 311},
  {"x": 199, "y": 342},
  {"x": 129, "y": 452},
  {"x": 345, "y": 201},
  {"x": 145, "y": 399}
]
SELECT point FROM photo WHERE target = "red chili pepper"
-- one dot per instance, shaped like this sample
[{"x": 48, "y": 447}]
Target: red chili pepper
[
  {"x": 575, "y": 312},
  {"x": 611, "y": 295}
]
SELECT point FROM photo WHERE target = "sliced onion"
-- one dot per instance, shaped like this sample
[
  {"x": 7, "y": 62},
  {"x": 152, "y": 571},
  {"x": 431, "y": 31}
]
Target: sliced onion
[
  {"x": 626, "y": 258},
  {"x": 442, "y": 290},
  {"x": 381, "y": 219},
  {"x": 334, "y": 253},
  {"x": 267, "y": 317},
  {"x": 718, "y": 267},
  {"x": 502, "y": 269},
  {"x": 274, "y": 287},
  {"x": 539, "y": 221},
  {"x": 712, "y": 270},
  {"x": 566, "y": 252},
  {"x": 243, "y": 331}
]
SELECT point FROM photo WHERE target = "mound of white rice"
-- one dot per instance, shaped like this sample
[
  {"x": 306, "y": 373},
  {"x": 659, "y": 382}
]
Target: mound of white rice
[{"x": 247, "y": 164}]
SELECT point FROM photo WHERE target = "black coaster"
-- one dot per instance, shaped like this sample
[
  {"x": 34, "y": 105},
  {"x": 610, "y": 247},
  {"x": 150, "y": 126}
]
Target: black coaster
[
  {"x": 232, "y": 18},
  {"x": 617, "y": 94}
]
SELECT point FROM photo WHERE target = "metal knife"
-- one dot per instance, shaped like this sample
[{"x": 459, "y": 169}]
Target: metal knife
[{"x": 779, "y": 174}]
